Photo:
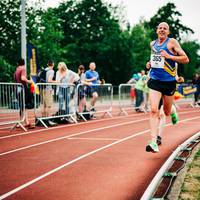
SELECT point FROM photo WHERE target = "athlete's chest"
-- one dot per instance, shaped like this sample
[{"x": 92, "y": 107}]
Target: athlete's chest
[{"x": 167, "y": 46}]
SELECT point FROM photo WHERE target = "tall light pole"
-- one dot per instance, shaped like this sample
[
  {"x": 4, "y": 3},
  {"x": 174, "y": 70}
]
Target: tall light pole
[{"x": 23, "y": 30}]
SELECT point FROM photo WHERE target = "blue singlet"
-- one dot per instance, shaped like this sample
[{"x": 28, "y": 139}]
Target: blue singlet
[{"x": 168, "y": 72}]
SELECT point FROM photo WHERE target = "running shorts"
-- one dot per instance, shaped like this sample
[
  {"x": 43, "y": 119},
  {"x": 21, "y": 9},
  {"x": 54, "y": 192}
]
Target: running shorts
[{"x": 167, "y": 88}]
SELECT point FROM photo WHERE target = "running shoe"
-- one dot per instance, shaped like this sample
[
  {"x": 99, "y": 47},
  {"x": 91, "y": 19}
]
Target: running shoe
[
  {"x": 174, "y": 118},
  {"x": 159, "y": 140},
  {"x": 152, "y": 147}
]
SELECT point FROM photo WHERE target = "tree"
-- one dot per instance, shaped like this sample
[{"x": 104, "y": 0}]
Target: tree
[
  {"x": 192, "y": 49},
  {"x": 7, "y": 70},
  {"x": 48, "y": 37},
  {"x": 92, "y": 33},
  {"x": 10, "y": 37},
  {"x": 169, "y": 14},
  {"x": 140, "y": 36},
  {"x": 10, "y": 30}
]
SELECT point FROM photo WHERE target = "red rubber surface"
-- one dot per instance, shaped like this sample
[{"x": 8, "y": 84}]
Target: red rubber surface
[{"x": 101, "y": 159}]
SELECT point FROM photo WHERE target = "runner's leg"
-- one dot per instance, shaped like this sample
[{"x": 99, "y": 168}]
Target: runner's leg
[
  {"x": 167, "y": 104},
  {"x": 162, "y": 120},
  {"x": 154, "y": 97}
]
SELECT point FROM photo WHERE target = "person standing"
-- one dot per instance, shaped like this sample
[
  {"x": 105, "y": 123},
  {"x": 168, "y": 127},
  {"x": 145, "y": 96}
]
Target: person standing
[
  {"x": 20, "y": 76},
  {"x": 82, "y": 90},
  {"x": 139, "y": 91},
  {"x": 196, "y": 82},
  {"x": 165, "y": 53},
  {"x": 48, "y": 92},
  {"x": 92, "y": 77},
  {"x": 67, "y": 77}
]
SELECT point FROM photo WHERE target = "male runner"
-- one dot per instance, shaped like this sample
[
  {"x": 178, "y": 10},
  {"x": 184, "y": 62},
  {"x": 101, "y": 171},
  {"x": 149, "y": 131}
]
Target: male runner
[{"x": 165, "y": 52}]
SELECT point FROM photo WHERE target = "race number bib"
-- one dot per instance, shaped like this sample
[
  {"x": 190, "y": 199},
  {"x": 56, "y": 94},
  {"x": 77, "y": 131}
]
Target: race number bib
[{"x": 157, "y": 61}]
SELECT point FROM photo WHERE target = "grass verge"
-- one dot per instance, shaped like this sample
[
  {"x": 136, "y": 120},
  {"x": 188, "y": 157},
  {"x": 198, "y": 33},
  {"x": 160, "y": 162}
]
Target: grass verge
[{"x": 191, "y": 187}]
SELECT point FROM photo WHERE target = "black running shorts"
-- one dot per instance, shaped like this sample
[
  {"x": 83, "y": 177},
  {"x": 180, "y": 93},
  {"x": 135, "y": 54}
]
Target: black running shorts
[{"x": 164, "y": 87}]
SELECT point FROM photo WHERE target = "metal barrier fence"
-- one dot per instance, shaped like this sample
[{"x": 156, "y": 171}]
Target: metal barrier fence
[
  {"x": 12, "y": 104},
  {"x": 104, "y": 98},
  {"x": 127, "y": 98},
  {"x": 54, "y": 101}
]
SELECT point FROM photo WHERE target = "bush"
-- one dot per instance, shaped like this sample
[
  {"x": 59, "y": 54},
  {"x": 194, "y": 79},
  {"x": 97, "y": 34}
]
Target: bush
[{"x": 7, "y": 71}]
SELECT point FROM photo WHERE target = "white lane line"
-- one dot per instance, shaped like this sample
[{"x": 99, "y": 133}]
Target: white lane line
[
  {"x": 194, "y": 123},
  {"x": 81, "y": 138},
  {"x": 65, "y": 137},
  {"x": 67, "y": 164},
  {"x": 69, "y": 136},
  {"x": 17, "y": 189},
  {"x": 68, "y": 125}
]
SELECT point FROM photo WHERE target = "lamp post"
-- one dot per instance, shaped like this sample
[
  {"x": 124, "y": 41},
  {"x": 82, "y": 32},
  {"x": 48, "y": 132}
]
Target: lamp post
[{"x": 23, "y": 30}]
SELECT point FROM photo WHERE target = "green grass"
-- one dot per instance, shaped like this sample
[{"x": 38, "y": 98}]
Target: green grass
[{"x": 191, "y": 187}]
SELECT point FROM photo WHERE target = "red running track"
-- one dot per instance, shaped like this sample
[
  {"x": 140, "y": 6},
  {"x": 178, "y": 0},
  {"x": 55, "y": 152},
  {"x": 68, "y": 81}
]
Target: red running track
[{"x": 101, "y": 159}]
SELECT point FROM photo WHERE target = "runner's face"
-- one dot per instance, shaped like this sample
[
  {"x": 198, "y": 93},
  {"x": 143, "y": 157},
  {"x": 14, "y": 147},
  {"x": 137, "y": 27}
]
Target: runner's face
[{"x": 162, "y": 31}]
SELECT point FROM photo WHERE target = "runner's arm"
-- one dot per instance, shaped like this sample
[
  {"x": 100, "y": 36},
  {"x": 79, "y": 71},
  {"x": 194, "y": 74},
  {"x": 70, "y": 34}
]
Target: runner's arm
[{"x": 180, "y": 58}]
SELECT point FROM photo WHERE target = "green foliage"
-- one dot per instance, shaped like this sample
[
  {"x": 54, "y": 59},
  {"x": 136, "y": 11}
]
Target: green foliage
[
  {"x": 79, "y": 32},
  {"x": 10, "y": 30},
  {"x": 49, "y": 37},
  {"x": 169, "y": 14},
  {"x": 191, "y": 48},
  {"x": 7, "y": 71},
  {"x": 140, "y": 37},
  {"x": 91, "y": 33}
]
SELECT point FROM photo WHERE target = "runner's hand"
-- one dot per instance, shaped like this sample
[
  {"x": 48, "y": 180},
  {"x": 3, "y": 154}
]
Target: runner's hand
[
  {"x": 164, "y": 54},
  {"x": 180, "y": 79}
]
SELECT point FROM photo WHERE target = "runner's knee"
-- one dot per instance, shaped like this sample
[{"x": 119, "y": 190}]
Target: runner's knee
[
  {"x": 154, "y": 111},
  {"x": 95, "y": 95}
]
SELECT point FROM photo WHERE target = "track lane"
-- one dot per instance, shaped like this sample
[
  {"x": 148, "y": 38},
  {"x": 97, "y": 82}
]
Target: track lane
[
  {"x": 14, "y": 145},
  {"x": 84, "y": 144},
  {"x": 11, "y": 145},
  {"x": 31, "y": 138}
]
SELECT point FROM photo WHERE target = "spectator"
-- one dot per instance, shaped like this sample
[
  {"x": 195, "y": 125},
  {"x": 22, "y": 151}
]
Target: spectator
[
  {"x": 67, "y": 77},
  {"x": 21, "y": 77},
  {"x": 82, "y": 90},
  {"x": 140, "y": 86},
  {"x": 81, "y": 73},
  {"x": 132, "y": 89},
  {"x": 134, "y": 78},
  {"x": 92, "y": 76},
  {"x": 47, "y": 93},
  {"x": 196, "y": 81}
]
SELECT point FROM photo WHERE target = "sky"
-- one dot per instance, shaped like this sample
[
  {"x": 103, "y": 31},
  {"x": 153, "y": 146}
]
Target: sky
[{"x": 135, "y": 9}]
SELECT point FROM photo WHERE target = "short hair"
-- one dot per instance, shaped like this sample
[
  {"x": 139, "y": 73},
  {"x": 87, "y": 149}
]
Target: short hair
[
  {"x": 21, "y": 62},
  {"x": 165, "y": 23},
  {"x": 81, "y": 67},
  {"x": 50, "y": 63},
  {"x": 92, "y": 63}
]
